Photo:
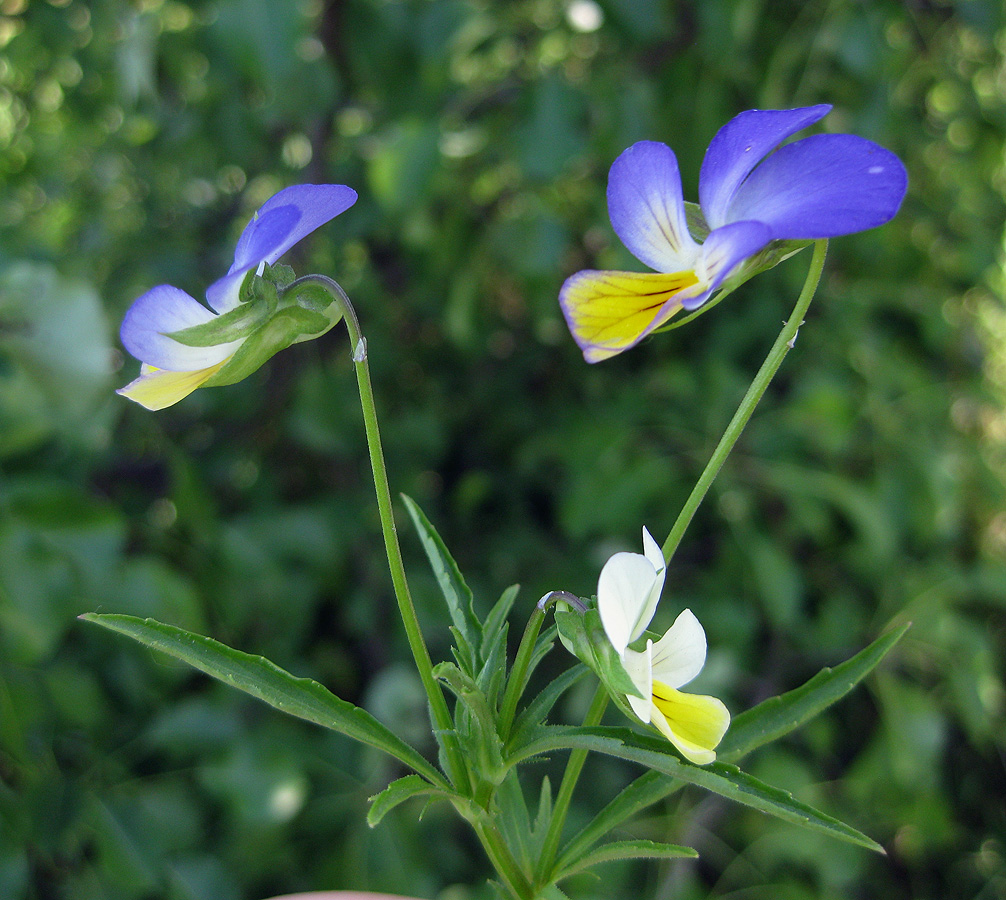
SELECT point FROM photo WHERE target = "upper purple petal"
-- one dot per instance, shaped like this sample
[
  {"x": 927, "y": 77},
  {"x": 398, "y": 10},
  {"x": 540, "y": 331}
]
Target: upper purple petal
[
  {"x": 823, "y": 186},
  {"x": 160, "y": 311},
  {"x": 647, "y": 209},
  {"x": 739, "y": 146},
  {"x": 724, "y": 250},
  {"x": 282, "y": 221}
]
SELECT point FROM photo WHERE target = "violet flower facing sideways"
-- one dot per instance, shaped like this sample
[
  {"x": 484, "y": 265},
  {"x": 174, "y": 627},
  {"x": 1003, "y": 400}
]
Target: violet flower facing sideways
[
  {"x": 822, "y": 186},
  {"x": 182, "y": 345}
]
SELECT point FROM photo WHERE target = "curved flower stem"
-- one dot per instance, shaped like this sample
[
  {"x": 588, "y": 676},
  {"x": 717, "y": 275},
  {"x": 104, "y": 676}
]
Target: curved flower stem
[
  {"x": 577, "y": 757},
  {"x": 518, "y": 673},
  {"x": 457, "y": 770},
  {"x": 783, "y": 344}
]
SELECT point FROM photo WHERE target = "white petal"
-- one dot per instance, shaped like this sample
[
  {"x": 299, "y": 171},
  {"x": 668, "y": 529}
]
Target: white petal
[
  {"x": 652, "y": 551},
  {"x": 623, "y": 592},
  {"x": 680, "y": 654},
  {"x": 639, "y": 668}
]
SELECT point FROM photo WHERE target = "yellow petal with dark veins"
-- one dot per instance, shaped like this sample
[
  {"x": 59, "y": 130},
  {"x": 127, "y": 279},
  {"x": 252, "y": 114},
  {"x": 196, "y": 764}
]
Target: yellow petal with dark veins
[
  {"x": 694, "y": 723},
  {"x": 608, "y": 312}
]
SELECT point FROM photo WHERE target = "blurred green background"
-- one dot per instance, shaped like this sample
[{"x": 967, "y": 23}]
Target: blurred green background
[{"x": 136, "y": 138}]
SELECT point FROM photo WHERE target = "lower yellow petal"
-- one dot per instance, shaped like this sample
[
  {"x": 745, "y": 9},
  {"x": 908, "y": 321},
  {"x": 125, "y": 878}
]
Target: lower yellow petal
[
  {"x": 158, "y": 388},
  {"x": 694, "y": 723},
  {"x": 608, "y": 312}
]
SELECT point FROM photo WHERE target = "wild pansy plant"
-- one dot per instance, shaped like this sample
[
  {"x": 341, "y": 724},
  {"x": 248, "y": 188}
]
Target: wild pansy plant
[{"x": 818, "y": 187}]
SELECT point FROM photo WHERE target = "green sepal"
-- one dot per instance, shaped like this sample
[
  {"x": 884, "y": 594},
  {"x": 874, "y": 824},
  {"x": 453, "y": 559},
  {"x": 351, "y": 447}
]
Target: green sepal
[
  {"x": 767, "y": 258},
  {"x": 583, "y": 635},
  {"x": 231, "y": 326},
  {"x": 285, "y": 327},
  {"x": 398, "y": 792},
  {"x": 696, "y": 221}
]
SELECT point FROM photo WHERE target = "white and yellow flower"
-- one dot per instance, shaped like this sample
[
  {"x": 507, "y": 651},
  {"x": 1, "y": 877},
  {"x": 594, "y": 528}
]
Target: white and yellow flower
[{"x": 627, "y": 593}]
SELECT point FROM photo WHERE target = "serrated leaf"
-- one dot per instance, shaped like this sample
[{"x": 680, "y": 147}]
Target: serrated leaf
[
  {"x": 263, "y": 679},
  {"x": 720, "y": 778},
  {"x": 628, "y": 850},
  {"x": 398, "y": 792},
  {"x": 452, "y": 584},
  {"x": 780, "y": 715}
]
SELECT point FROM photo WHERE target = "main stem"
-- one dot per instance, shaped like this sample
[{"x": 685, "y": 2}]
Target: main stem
[
  {"x": 457, "y": 770},
  {"x": 783, "y": 344}
]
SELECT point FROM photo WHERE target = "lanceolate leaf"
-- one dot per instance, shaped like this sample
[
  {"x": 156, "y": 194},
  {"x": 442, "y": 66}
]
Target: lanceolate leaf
[
  {"x": 452, "y": 584},
  {"x": 542, "y": 704},
  {"x": 629, "y": 850},
  {"x": 649, "y": 788},
  {"x": 780, "y": 715},
  {"x": 398, "y": 792},
  {"x": 261, "y": 678},
  {"x": 720, "y": 778}
]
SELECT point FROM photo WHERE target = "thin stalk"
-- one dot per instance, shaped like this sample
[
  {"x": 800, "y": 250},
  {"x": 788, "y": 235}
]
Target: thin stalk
[
  {"x": 574, "y": 765},
  {"x": 783, "y": 344},
  {"x": 457, "y": 770},
  {"x": 518, "y": 674}
]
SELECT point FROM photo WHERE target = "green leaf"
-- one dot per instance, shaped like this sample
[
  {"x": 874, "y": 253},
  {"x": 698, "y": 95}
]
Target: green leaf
[
  {"x": 452, "y": 584},
  {"x": 720, "y": 778},
  {"x": 649, "y": 788},
  {"x": 478, "y": 735},
  {"x": 398, "y": 792},
  {"x": 540, "y": 707},
  {"x": 497, "y": 618},
  {"x": 265, "y": 680},
  {"x": 628, "y": 850},
  {"x": 778, "y": 716}
]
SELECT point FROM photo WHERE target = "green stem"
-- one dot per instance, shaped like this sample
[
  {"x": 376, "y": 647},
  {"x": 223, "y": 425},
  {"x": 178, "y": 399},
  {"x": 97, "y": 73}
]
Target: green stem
[
  {"x": 577, "y": 757},
  {"x": 442, "y": 720},
  {"x": 502, "y": 859},
  {"x": 783, "y": 344},
  {"x": 518, "y": 674}
]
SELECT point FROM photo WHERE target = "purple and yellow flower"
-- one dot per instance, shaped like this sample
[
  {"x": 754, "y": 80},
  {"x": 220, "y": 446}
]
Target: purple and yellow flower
[
  {"x": 183, "y": 345},
  {"x": 822, "y": 186}
]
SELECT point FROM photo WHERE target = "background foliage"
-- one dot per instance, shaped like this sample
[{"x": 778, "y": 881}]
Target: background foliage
[{"x": 136, "y": 139}]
